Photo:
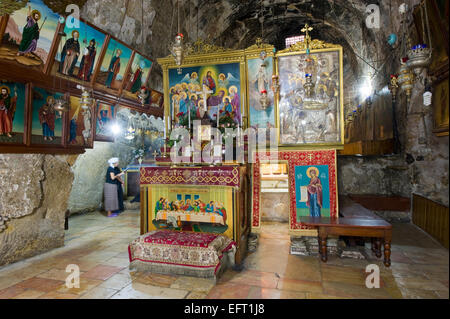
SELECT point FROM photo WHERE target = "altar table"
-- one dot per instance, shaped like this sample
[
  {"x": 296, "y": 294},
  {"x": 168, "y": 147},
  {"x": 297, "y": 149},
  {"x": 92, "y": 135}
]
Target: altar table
[{"x": 200, "y": 199}]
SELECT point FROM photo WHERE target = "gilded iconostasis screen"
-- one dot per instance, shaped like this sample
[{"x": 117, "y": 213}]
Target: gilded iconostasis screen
[{"x": 311, "y": 101}]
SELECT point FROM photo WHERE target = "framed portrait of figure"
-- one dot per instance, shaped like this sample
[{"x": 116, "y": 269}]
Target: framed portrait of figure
[
  {"x": 79, "y": 52},
  {"x": 104, "y": 121},
  {"x": 13, "y": 102},
  {"x": 114, "y": 67},
  {"x": 311, "y": 97},
  {"x": 135, "y": 85},
  {"x": 29, "y": 36},
  {"x": 80, "y": 125},
  {"x": 209, "y": 87},
  {"x": 47, "y": 124},
  {"x": 261, "y": 98}
]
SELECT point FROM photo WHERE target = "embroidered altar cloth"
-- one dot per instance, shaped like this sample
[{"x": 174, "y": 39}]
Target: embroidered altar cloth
[{"x": 196, "y": 253}]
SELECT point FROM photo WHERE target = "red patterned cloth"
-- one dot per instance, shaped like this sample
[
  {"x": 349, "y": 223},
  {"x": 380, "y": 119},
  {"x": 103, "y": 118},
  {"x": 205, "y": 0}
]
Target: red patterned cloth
[
  {"x": 190, "y": 250},
  {"x": 180, "y": 238}
]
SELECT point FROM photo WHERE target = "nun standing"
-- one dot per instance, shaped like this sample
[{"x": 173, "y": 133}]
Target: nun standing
[{"x": 113, "y": 188}]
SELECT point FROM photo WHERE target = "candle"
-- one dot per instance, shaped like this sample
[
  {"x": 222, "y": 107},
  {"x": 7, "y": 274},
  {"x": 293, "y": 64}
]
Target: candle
[
  {"x": 189, "y": 116},
  {"x": 165, "y": 123},
  {"x": 218, "y": 116}
]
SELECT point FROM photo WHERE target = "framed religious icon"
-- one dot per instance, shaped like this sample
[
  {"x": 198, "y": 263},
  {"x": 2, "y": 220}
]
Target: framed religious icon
[
  {"x": 209, "y": 86},
  {"x": 79, "y": 52},
  {"x": 13, "y": 101},
  {"x": 187, "y": 208},
  {"x": 261, "y": 97},
  {"x": 105, "y": 119},
  {"x": 30, "y": 35},
  {"x": 311, "y": 98},
  {"x": 114, "y": 66},
  {"x": 441, "y": 106},
  {"x": 157, "y": 99},
  {"x": 81, "y": 123},
  {"x": 439, "y": 30},
  {"x": 47, "y": 124},
  {"x": 312, "y": 179},
  {"x": 136, "y": 81}
]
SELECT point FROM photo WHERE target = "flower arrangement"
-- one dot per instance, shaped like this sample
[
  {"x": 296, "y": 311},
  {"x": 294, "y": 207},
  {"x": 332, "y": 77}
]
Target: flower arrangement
[{"x": 139, "y": 153}]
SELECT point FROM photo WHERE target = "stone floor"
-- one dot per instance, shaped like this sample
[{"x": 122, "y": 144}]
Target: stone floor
[{"x": 98, "y": 245}]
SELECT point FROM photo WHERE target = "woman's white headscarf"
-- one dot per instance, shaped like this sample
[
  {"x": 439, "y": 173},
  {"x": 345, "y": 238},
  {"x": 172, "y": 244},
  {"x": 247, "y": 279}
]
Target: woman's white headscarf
[{"x": 113, "y": 161}]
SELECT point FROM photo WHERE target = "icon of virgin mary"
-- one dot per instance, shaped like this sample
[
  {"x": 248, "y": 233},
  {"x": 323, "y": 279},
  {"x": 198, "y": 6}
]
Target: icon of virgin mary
[{"x": 314, "y": 192}]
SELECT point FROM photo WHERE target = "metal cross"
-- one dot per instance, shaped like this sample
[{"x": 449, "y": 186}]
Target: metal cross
[
  {"x": 205, "y": 93},
  {"x": 306, "y": 29}
]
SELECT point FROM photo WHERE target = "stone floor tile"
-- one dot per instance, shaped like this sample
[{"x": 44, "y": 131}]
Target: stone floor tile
[
  {"x": 102, "y": 272},
  {"x": 201, "y": 285},
  {"x": 117, "y": 281},
  {"x": 300, "y": 285},
  {"x": 86, "y": 284},
  {"x": 29, "y": 294},
  {"x": 140, "y": 291},
  {"x": 41, "y": 284},
  {"x": 99, "y": 293}
]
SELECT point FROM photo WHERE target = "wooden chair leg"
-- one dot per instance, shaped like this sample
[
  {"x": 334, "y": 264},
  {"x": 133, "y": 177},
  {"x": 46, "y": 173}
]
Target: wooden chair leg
[
  {"x": 320, "y": 245},
  {"x": 378, "y": 248},
  {"x": 324, "y": 249},
  {"x": 387, "y": 253}
]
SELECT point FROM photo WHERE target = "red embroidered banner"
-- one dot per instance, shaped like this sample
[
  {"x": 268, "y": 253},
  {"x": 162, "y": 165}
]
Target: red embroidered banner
[
  {"x": 220, "y": 176},
  {"x": 295, "y": 158}
]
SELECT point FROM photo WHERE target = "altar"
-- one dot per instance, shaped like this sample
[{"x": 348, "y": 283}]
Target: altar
[{"x": 200, "y": 199}]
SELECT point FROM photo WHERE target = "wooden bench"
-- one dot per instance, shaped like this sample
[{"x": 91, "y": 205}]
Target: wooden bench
[{"x": 377, "y": 229}]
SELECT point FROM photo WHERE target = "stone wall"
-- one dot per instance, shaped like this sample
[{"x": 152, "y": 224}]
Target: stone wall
[
  {"x": 34, "y": 190},
  {"x": 381, "y": 175},
  {"x": 89, "y": 175},
  {"x": 275, "y": 207}
]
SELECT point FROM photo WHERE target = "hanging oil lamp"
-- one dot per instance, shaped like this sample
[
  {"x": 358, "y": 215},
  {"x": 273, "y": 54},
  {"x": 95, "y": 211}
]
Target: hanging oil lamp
[
  {"x": 393, "y": 86},
  {"x": 406, "y": 78},
  {"x": 61, "y": 105},
  {"x": 309, "y": 85},
  {"x": 86, "y": 100},
  {"x": 264, "y": 100},
  {"x": 177, "y": 48},
  {"x": 419, "y": 56}
]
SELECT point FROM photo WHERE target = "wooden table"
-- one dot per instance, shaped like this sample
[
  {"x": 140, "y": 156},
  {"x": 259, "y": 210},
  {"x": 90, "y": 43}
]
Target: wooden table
[{"x": 377, "y": 229}]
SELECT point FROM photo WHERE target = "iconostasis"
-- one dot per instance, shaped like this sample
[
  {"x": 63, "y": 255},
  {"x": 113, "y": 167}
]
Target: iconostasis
[
  {"x": 297, "y": 92},
  {"x": 46, "y": 65}
]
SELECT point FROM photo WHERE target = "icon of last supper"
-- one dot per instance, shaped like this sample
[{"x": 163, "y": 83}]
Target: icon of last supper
[
  {"x": 207, "y": 209},
  {"x": 210, "y": 93}
]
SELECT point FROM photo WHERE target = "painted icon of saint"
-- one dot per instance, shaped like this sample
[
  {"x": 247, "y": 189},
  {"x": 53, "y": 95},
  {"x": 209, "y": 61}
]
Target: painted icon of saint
[
  {"x": 114, "y": 68},
  {"x": 7, "y": 110},
  {"x": 87, "y": 62},
  {"x": 47, "y": 117},
  {"x": 30, "y": 34},
  {"x": 70, "y": 54},
  {"x": 209, "y": 82},
  {"x": 314, "y": 188}
]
